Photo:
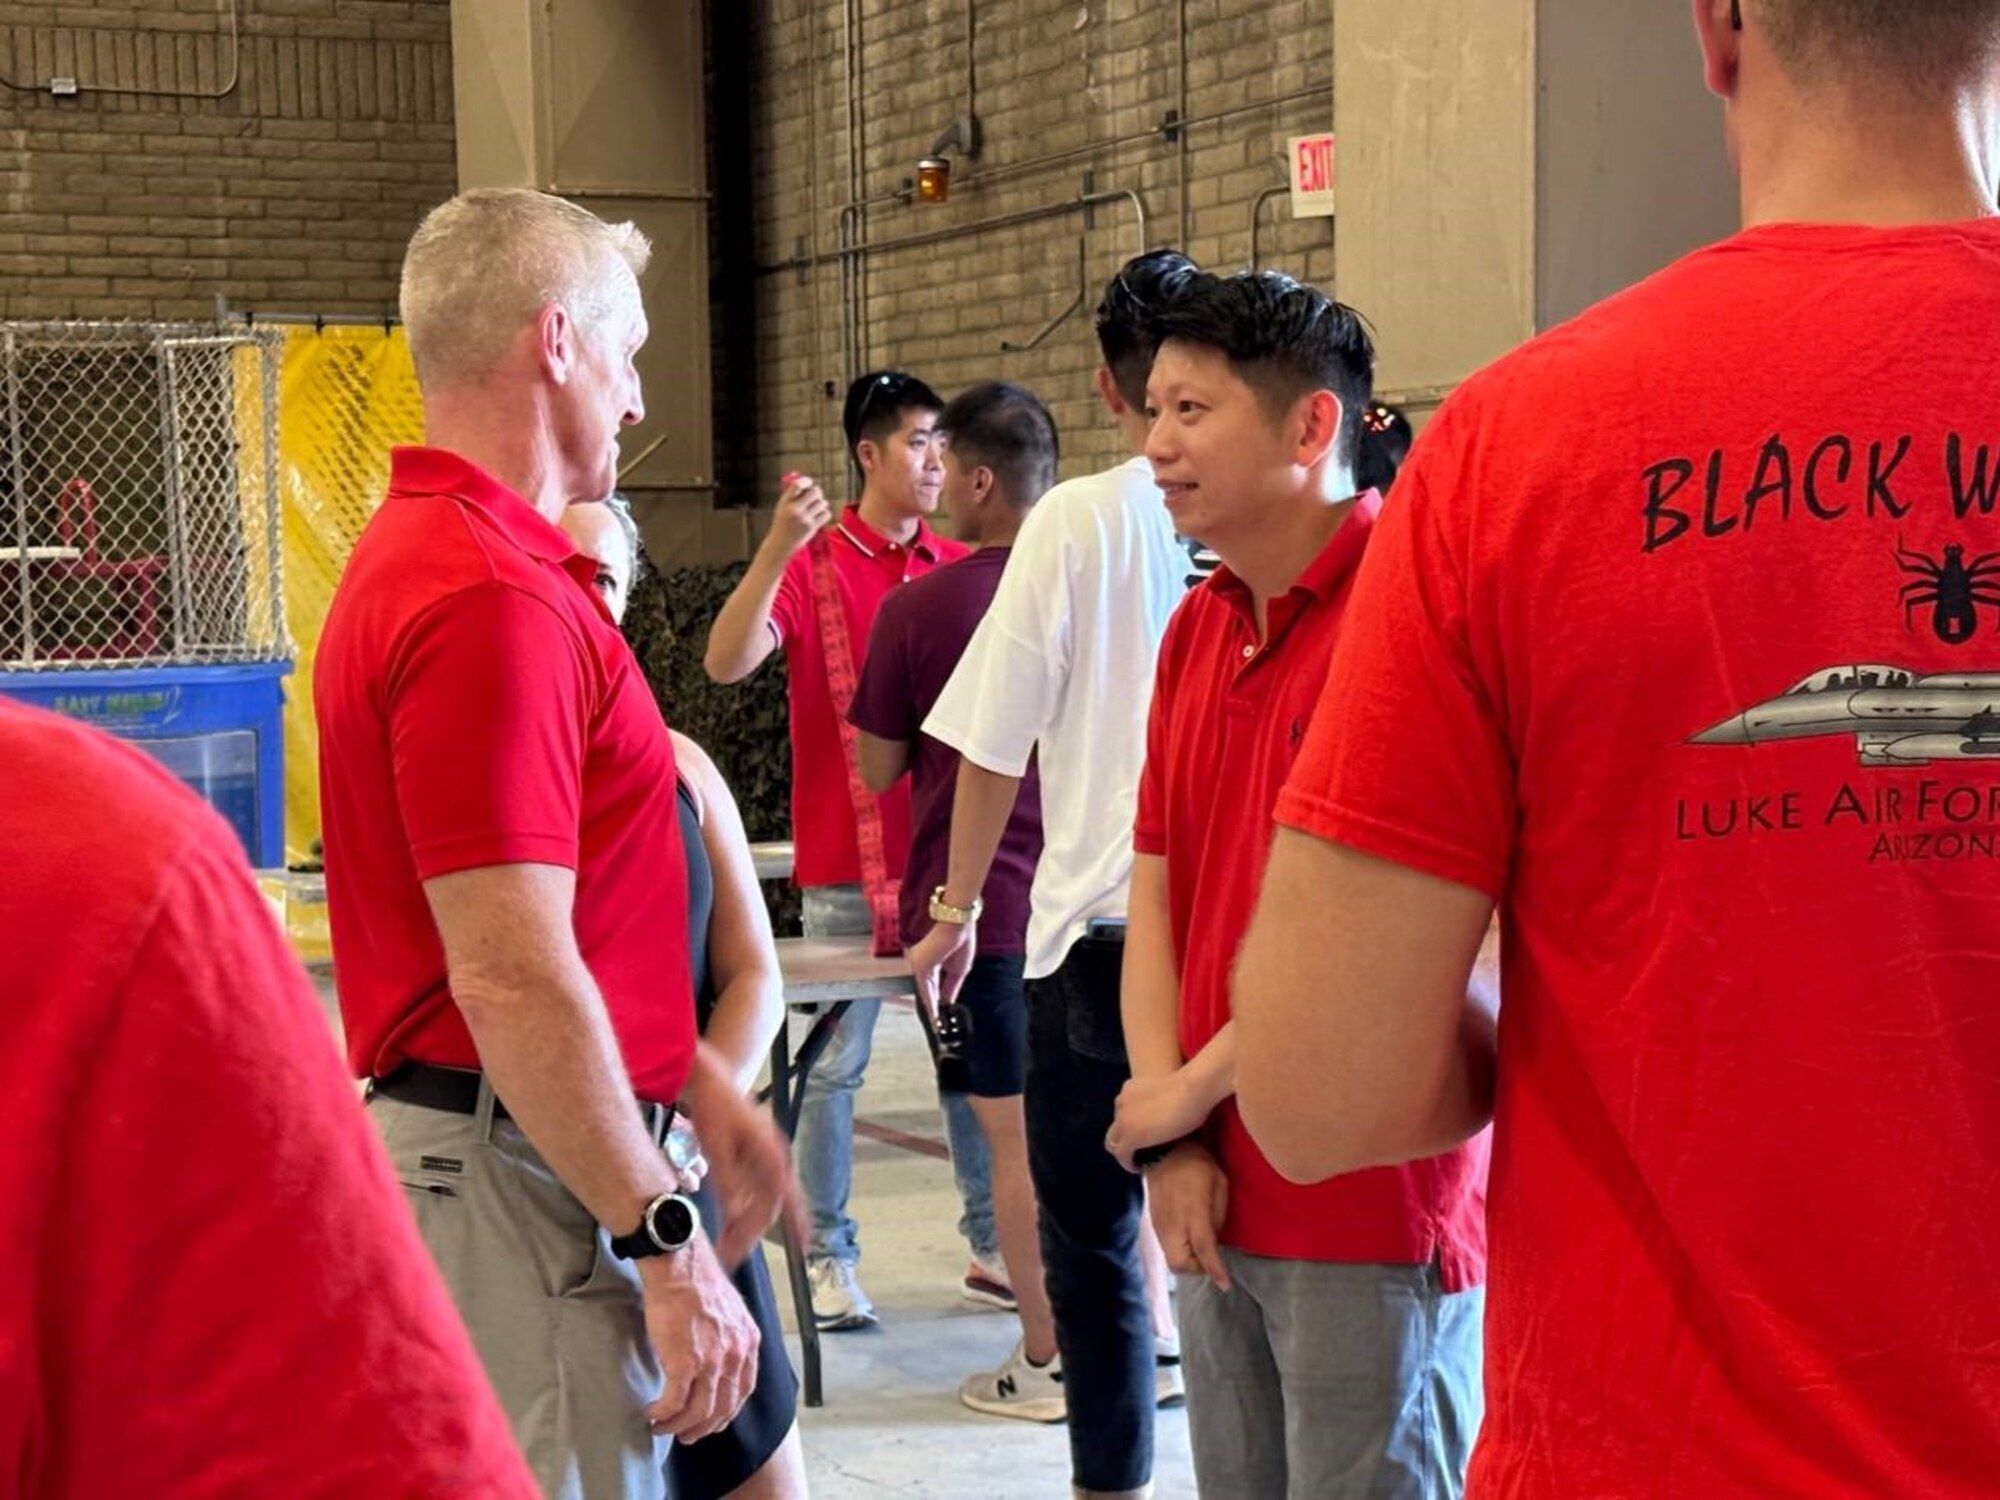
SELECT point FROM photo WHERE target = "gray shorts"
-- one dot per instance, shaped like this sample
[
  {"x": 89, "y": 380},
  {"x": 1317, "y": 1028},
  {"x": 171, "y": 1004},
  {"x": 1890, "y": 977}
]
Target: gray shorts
[
  {"x": 1334, "y": 1382},
  {"x": 556, "y": 1316}
]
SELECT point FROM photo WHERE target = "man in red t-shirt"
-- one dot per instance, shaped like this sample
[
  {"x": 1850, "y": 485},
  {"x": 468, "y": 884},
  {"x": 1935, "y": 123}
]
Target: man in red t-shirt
[
  {"x": 504, "y": 872},
  {"x": 812, "y": 590},
  {"x": 1680, "y": 642},
  {"x": 1330, "y": 1333},
  {"x": 208, "y": 1284}
]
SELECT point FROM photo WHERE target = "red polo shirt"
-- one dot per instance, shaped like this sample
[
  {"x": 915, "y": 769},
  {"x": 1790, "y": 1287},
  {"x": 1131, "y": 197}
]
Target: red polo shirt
[
  {"x": 210, "y": 1284},
  {"x": 867, "y": 565},
  {"x": 1229, "y": 713},
  {"x": 477, "y": 707}
]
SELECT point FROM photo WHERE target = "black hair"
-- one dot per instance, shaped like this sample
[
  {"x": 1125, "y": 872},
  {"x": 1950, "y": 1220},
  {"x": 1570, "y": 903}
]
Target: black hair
[
  {"x": 875, "y": 405},
  {"x": 1143, "y": 286},
  {"x": 1007, "y": 429},
  {"x": 1385, "y": 443},
  {"x": 1284, "y": 338}
]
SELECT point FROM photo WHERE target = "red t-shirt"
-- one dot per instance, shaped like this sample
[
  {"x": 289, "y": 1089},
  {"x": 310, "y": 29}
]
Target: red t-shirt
[
  {"x": 210, "y": 1284},
  {"x": 1612, "y": 659},
  {"x": 477, "y": 707},
  {"x": 1227, "y": 717},
  {"x": 866, "y": 565}
]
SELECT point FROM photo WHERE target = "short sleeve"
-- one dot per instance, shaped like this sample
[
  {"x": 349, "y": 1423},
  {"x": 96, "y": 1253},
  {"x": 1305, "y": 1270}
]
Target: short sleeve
[
  {"x": 884, "y": 704},
  {"x": 1004, "y": 692},
  {"x": 489, "y": 707},
  {"x": 792, "y": 605},
  {"x": 1406, "y": 758},
  {"x": 1149, "y": 825}
]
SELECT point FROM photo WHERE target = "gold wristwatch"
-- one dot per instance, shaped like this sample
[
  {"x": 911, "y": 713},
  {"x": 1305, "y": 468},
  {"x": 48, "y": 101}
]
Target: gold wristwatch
[{"x": 959, "y": 916}]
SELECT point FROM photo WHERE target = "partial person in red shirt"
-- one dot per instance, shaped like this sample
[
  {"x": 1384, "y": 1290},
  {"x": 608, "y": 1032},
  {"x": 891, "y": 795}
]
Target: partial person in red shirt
[
  {"x": 1680, "y": 644},
  {"x": 1330, "y": 1334},
  {"x": 1000, "y": 457},
  {"x": 504, "y": 871},
  {"x": 812, "y": 591},
  {"x": 209, "y": 1285}
]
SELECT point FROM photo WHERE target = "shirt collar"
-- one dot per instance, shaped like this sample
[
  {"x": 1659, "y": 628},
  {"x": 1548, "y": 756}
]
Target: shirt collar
[
  {"x": 437, "y": 471},
  {"x": 869, "y": 542},
  {"x": 1326, "y": 574}
]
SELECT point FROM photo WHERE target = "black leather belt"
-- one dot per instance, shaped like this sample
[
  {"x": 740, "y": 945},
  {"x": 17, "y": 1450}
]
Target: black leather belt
[{"x": 457, "y": 1090}]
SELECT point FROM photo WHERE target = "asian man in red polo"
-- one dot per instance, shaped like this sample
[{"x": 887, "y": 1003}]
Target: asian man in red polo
[
  {"x": 812, "y": 591},
  {"x": 1330, "y": 1334}
]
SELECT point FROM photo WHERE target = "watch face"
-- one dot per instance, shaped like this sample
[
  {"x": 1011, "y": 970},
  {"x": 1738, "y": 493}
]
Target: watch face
[{"x": 671, "y": 1222}]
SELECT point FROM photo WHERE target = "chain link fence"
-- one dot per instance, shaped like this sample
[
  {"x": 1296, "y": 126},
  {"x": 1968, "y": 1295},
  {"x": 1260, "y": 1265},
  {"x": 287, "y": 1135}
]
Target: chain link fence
[{"x": 139, "y": 521}]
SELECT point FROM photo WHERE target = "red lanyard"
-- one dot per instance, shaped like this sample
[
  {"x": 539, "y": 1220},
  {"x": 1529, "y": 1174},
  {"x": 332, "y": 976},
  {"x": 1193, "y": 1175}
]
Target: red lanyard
[{"x": 880, "y": 887}]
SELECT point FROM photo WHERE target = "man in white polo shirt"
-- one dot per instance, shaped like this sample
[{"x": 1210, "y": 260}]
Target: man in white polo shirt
[{"x": 1061, "y": 668}]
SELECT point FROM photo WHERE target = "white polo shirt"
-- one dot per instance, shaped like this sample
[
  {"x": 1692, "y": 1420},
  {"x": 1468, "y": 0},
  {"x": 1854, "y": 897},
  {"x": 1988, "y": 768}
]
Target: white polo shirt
[{"x": 1063, "y": 665}]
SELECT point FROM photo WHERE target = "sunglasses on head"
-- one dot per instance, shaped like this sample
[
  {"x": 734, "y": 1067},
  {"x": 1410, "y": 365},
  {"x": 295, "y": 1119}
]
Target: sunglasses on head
[{"x": 876, "y": 387}]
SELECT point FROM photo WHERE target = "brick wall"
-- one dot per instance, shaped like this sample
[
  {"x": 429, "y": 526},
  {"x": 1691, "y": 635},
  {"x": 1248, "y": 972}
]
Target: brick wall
[
  {"x": 293, "y": 191},
  {"x": 1050, "y": 76}
]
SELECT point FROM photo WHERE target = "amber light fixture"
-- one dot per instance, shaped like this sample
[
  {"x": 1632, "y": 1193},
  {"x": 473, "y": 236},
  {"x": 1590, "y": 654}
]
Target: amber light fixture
[{"x": 933, "y": 179}]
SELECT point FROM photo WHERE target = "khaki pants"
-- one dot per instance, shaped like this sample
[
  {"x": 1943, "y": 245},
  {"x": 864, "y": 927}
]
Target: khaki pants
[{"x": 556, "y": 1316}]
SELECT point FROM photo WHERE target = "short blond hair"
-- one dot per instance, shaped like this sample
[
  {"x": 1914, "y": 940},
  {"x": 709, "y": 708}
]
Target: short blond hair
[{"x": 484, "y": 264}]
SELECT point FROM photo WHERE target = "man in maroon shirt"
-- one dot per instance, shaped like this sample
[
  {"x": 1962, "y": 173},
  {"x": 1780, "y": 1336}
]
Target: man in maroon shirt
[
  {"x": 1331, "y": 1332},
  {"x": 208, "y": 1282},
  {"x": 1000, "y": 456},
  {"x": 504, "y": 871}
]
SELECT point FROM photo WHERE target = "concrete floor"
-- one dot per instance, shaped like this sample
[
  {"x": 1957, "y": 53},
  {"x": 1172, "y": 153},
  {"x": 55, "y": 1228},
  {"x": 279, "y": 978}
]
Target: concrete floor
[{"x": 892, "y": 1423}]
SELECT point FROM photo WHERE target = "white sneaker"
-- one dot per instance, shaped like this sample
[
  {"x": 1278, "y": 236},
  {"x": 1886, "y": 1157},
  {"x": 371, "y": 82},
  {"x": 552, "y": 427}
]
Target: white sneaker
[
  {"x": 1019, "y": 1389},
  {"x": 1169, "y": 1388},
  {"x": 837, "y": 1299},
  {"x": 986, "y": 1283}
]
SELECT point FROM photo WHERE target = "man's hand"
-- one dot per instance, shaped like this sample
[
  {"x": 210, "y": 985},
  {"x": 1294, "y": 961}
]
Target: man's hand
[
  {"x": 802, "y": 510},
  {"x": 1188, "y": 1196},
  {"x": 748, "y": 1164},
  {"x": 1153, "y": 1111},
  {"x": 940, "y": 961},
  {"x": 704, "y": 1337}
]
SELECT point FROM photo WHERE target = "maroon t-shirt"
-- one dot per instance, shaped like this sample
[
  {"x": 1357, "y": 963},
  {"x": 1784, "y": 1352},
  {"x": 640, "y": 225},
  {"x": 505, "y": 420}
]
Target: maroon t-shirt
[{"x": 920, "y": 633}]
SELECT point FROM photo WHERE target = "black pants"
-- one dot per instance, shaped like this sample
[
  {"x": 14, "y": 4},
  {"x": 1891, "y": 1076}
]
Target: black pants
[{"x": 1090, "y": 1217}]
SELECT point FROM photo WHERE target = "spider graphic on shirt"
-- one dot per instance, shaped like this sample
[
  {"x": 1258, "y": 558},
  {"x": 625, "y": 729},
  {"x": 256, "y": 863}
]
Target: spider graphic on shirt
[{"x": 1953, "y": 588}]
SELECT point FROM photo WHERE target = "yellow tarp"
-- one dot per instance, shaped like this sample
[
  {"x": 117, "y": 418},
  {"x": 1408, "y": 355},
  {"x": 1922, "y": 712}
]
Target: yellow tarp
[{"x": 346, "y": 395}]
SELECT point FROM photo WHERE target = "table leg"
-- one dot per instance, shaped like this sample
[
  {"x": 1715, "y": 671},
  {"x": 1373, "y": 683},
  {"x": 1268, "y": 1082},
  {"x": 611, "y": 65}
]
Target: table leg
[{"x": 786, "y": 1096}]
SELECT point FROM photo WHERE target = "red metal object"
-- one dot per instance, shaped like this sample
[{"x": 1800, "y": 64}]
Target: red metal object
[{"x": 136, "y": 582}]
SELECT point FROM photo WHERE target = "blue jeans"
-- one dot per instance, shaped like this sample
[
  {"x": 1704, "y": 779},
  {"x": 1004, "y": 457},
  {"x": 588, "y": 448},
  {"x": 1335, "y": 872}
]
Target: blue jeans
[
  {"x": 823, "y": 1150},
  {"x": 1090, "y": 1217}
]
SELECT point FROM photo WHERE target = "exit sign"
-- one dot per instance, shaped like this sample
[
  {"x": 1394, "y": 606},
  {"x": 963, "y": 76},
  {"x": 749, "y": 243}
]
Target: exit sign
[{"x": 1312, "y": 176}]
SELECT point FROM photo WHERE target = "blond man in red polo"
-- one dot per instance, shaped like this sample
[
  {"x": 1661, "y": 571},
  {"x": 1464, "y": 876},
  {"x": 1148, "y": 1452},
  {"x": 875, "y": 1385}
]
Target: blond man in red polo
[{"x": 504, "y": 870}]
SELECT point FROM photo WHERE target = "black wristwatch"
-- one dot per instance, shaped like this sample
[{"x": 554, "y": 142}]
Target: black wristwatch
[{"x": 669, "y": 1224}]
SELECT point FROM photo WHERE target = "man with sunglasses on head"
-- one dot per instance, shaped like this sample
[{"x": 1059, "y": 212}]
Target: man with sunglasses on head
[{"x": 812, "y": 591}]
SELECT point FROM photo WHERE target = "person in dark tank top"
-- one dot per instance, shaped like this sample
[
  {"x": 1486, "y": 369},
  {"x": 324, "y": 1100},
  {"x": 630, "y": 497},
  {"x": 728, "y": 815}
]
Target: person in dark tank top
[{"x": 739, "y": 1003}]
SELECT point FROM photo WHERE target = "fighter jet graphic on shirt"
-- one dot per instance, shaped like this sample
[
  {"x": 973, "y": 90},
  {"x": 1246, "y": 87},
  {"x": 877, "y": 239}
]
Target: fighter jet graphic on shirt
[{"x": 1896, "y": 717}]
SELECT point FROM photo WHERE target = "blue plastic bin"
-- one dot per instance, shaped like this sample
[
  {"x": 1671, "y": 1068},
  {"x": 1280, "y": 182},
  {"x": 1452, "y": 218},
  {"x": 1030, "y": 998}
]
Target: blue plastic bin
[{"x": 219, "y": 729}]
